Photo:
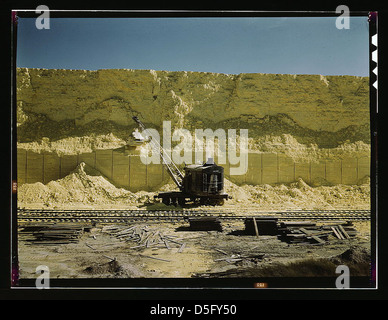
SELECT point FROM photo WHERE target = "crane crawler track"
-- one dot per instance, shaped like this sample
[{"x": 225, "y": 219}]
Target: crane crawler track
[{"x": 125, "y": 216}]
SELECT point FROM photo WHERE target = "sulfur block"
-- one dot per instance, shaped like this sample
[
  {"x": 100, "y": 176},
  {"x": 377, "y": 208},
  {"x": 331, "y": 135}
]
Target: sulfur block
[
  {"x": 269, "y": 168},
  {"x": 51, "y": 167},
  {"x": 34, "y": 167}
]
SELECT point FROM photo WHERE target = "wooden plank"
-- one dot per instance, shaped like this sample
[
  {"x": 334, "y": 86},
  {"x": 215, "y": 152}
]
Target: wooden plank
[
  {"x": 221, "y": 259},
  {"x": 336, "y": 232},
  {"x": 139, "y": 246},
  {"x": 233, "y": 260},
  {"x": 305, "y": 231},
  {"x": 317, "y": 239},
  {"x": 322, "y": 233},
  {"x": 182, "y": 247},
  {"x": 339, "y": 232},
  {"x": 296, "y": 235},
  {"x": 112, "y": 259},
  {"x": 125, "y": 231},
  {"x": 328, "y": 224},
  {"x": 222, "y": 251},
  {"x": 180, "y": 243},
  {"x": 166, "y": 244},
  {"x": 152, "y": 238},
  {"x": 344, "y": 232},
  {"x": 298, "y": 223},
  {"x": 255, "y": 225}
]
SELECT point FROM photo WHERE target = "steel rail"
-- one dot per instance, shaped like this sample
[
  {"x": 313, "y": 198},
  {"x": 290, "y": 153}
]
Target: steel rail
[{"x": 120, "y": 216}]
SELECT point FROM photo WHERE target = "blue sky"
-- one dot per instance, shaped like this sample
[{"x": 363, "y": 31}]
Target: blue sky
[{"x": 289, "y": 45}]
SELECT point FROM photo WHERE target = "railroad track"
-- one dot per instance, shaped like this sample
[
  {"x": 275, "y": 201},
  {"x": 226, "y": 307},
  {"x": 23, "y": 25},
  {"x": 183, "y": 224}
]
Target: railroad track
[{"x": 123, "y": 216}]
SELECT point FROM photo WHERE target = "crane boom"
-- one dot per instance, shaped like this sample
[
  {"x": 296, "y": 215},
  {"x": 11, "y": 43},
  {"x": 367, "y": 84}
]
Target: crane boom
[{"x": 171, "y": 167}]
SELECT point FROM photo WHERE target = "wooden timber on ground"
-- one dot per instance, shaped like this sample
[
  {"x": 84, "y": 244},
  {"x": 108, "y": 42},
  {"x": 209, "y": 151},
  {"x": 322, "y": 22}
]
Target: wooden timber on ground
[
  {"x": 205, "y": 224},
  {"x": 300, "y": 232},
  {"x": 261, "y": 226},
  {"x": 52, "y": 234},
  {"x": 307, "y": 232}
]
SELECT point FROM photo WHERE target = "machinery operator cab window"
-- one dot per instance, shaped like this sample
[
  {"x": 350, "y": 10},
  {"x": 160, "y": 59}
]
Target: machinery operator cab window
[{"x": 212, "y": 182}]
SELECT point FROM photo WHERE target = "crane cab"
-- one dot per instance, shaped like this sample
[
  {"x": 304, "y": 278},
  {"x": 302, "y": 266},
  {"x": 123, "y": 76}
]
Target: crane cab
[{"x": 202, "y": 180}]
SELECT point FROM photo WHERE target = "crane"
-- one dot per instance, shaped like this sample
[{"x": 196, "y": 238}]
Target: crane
[
  {"x": 200, "y": 183},
  {"x": 171, "y": 167}
]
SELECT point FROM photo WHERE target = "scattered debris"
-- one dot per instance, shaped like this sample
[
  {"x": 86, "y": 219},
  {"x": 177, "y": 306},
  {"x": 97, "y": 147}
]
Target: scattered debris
[{"x": 143, "y": 236}]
